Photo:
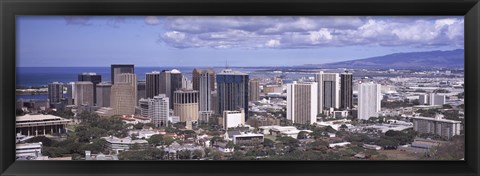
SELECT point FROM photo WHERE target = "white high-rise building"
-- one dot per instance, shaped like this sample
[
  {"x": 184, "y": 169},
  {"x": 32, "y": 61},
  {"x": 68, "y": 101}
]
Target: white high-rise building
[
  {"x": 328, "y": 93},
  {"x": 156, "y": 108},
  {"x": 369, "y": 100},
  {"x": 302, "y": 102}
]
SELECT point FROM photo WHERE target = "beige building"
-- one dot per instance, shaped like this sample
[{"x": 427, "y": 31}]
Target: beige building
[
  {"x": 130, "y": 78},
  {"x": 254, "y": 90},
  {"x": 302, "y": 102},
  {"x": 123, "y": 99},
  {"x": 83, "y": 93},
  {"x": 185, "y": 105},
  {"x": 442, "y": 127}
]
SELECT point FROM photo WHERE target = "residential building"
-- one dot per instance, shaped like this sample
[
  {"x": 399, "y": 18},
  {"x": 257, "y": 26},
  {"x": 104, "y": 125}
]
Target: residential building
[
  {"x": 302, "y": 102},
  {"x": 369, "y": 100},
  {"x": 442, "y": 127},
  {"x": 157, "y": 109},
  {"x": 328, "y": 93},
  {"x": 55, "y": 93}
]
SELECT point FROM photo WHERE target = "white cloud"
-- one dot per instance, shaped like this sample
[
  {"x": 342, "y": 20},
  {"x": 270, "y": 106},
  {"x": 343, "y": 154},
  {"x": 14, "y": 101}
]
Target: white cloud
[
  {"x": 311, "y": 32},
  {"x": 152, "y": 20}
]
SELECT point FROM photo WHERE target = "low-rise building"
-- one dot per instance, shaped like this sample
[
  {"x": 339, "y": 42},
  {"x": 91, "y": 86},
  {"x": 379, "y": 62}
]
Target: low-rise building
[
  {"x": 40, "y": 124},
  {"x": 121, "y": 144},
  {"x": 442, "y": 127},
  {"x": 28, "y": 150}
]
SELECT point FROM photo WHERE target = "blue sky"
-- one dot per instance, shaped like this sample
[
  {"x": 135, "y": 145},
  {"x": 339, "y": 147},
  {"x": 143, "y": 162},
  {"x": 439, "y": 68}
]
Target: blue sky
[{"x": 153, "y": 41}]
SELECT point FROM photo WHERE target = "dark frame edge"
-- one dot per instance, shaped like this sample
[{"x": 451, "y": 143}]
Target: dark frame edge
[{"x": 10, "y": 167}]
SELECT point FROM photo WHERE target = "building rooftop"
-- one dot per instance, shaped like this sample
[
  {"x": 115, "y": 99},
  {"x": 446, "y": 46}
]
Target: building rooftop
[
  {"x": 230, "y": 72},
  {"x": 437, "y": 119},
  {"x": 37, "y": 117}
]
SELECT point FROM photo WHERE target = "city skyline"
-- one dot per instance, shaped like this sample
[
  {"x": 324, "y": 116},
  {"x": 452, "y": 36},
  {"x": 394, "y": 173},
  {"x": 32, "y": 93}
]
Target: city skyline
[{"x": 240, "y": 41}]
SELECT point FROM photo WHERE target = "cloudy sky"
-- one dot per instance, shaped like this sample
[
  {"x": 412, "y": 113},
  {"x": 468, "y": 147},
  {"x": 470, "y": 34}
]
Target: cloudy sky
[{"x": 242, "y": 41}]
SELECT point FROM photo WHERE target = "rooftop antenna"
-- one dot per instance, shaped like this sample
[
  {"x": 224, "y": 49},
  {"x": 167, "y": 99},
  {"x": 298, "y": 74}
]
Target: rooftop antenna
[{"x": 226, "y": 63}]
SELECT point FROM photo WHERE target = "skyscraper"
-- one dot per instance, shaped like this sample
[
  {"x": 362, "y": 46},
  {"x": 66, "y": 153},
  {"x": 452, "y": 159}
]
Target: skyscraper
[
  {"x": 186, "y": 83},
  {"x": 186, "y": 105},
  {"x": 328, "y": 94},
  {"x": 199, "y": 73},
  {"x": 302, "y": 102},
  {"x": 369, "y": 100},
  {"x": 84, "y": 93},
  {"x": 141, "y": 90},
  {"x": 55, "y": 93},
  {"x": 117, "y": 69},
  {"x": 70, "y": 93},
  {"x": 156, "y": 108},
  {"x": 346, "y": 90},
  {"x": 254, "y": 94},
  {"x": 130, "y": 78},
  {"x": 170, "y": 81},
  {"x": 152, "y": 85},
  {"x": 122, "y": 98},
  {"x": 104, "y": 91},
  {"x": 232, "y": 90},
  {"x": 94, "y": 78}
]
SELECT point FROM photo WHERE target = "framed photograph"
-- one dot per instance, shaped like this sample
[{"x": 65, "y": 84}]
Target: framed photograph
[{"x": 239, "y": 87}]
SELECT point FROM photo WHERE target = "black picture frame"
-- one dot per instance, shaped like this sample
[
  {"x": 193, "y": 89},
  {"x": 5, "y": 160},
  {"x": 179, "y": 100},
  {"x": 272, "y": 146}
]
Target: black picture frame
[{"x": 11, "y": 8}]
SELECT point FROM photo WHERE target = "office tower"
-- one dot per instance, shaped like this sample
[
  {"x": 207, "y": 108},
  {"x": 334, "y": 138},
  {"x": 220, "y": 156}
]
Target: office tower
[
  {"x": 199, "y": 73},
  {"x": 152, "y": 85},
  {"x": 84, "y": 93},
  {"x": 232, "y": 90},
  {"x": 117, "y": 69},
  {"x": 70, "y": 93},
  {"x": 369, "y": 100},
  {"x": 302, "y": 102},
  {"x": 94, "y": 78},
  {"x": 170, "y": 81},
  {"x": 156, "y": 108},
  {"x": 423, "y": 99},
  {"x": 215, "y": 109},
  {"x": 55, "y": 93},
  {"x": 346, "y": 90},
  {"x": 204, "y": 87},
  {"x": 122, "y": 98},
  {"x": 186, "y": 83},
  {"x": 104, "y": 91},
  {"x": 186, "y": 105},
  {"x": 132, "y": 80},
  {"x": 254, "y": 89},
  {"x": 141, "y": 90},
  {"x": 328, "y": 90},
  {"x": 232, "y": 119},
  {"x": 436, "y": 99}
]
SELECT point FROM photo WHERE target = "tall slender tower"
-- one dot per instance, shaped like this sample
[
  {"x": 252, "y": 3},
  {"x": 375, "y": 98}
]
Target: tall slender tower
[
  {"x": 302, "y": 102},
  {"x": 232, "y": 90},
  {"x": 346, "y": 90},
  {"x": 152, "y": 85},
  {"x": 55, "y": 92},
  {"x": 170, "y": 81},
  {"x": 369, "y": 100},
  {"x": 254, "y": 94},
  {"x": 328, "y": 93}
]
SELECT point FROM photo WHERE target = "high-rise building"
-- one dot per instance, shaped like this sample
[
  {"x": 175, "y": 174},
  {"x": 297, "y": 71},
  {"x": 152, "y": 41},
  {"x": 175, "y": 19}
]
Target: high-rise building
[
  {"x": 346, "y": 90},
  {"x": 186, "y": 83},
  {"x": 232, "y": 90},
  {"x": 70, "y": 93},
  {"x": 152, "y": 85},
  {"x": 328, "y": 90},
  {"x": 369, "y": 100},
  {"x": 130, "y": 78},
  {"x": 199, "y": 73},
  {"x": 122, "y": 98},
  {"x": 92, "y": 77},
  {"x": 55, "y": 93},
  {"x": 302, "y": 102},
  {"x": 170, "y": 81},
  {"x": 232, "y": 119},
  {"x": 156, "y": 108},
  {"x": 435, "y": 99},
  {"x": 84, "y": 93},
  {"x": 104, "y": 91},
  {"x": 117, "y": 69},
  {"x": 141, "y": 90},
  {"x": 254, "y": 94},
  {"x": 186, "y": 105}
]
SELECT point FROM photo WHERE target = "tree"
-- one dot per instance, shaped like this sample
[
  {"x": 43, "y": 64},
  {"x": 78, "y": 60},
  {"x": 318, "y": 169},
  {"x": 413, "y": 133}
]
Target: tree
[
  {"x": 46, "y": 142},
  {"x": 447, "y": 106},
  {"x": 197, "y": 154},
  {"x": 319, "y": 145},
  {"x": 268, "y": 142},
  {"x": 138, "y": 126},
  {"x": 168, "y": 140},
  {"x": 184, "y": 154},
  {"x": 302, "y": 135},
  {"x": 156, "y": 140}
]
